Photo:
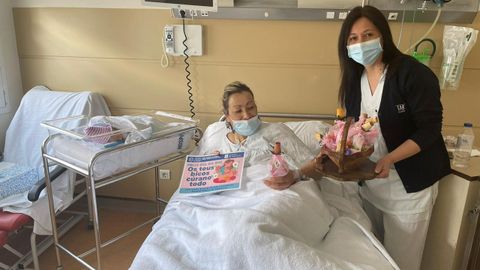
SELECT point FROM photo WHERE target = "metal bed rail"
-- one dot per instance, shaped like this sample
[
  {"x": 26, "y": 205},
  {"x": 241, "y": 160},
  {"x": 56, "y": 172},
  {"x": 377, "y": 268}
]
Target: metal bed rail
[{"x": 299, "y": 116}]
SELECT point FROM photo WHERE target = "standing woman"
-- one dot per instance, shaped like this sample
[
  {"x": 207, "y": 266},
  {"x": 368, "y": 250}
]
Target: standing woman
[{"x": 379, "y": 80}]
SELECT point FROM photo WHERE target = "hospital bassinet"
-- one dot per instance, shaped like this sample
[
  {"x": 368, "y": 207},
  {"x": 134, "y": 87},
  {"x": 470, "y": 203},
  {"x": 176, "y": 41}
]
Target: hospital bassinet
[
  {"x": 71, "y": 144},
  {"x": 103, "y": 161}
]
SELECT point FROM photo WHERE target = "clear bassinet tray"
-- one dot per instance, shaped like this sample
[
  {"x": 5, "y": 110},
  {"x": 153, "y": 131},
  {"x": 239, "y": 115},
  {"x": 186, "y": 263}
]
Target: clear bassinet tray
[
  {"x": 69, "y": 141},
  {"x": 108, "y": 130}
]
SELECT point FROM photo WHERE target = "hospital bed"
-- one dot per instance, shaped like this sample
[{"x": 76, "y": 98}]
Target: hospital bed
[
  {"x": 22, "y": 201},
  {"x": 302, "y": 227},
  {"x": 102, "y": 163}
]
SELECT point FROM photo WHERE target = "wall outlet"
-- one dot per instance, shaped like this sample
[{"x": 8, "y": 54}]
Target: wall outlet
[
  {"x": 392, "y": 16},
  {"x": 164, "y": 174},
  {"x": 177, "y": 13}
]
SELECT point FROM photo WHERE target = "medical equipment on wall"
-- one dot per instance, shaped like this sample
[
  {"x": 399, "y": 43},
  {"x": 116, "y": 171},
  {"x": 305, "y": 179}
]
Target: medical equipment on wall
[
  {"x": 424, "y": 55},
  {"x": 191, "y": 44},
  {"x": 175, "y": 44},
  {"x": 457, "y": 43},
  {"x": 183, "y": 40},
  {"x": 169, "y": 39},
  {"x": 202, "y": 7},
  {"x": 439, "y": 12},
  {"x": 173, "y": 38}
]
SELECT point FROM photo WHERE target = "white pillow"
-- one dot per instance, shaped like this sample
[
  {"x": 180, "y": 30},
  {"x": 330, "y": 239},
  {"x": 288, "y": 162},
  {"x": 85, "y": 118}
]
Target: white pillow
[{"x": 306, "y": 130}]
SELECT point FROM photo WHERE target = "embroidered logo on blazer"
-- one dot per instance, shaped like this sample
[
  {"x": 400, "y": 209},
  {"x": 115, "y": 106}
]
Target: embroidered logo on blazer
[{"x": 401, "y": 108}]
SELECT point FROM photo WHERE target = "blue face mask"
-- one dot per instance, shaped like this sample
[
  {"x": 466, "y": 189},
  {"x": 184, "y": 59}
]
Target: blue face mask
[
  {"x": 365, "y": 53},
  {"x": 246, "y": 127}
]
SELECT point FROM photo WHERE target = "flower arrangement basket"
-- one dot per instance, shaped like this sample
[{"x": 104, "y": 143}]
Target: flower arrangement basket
[{"x": 338, "y": 165}]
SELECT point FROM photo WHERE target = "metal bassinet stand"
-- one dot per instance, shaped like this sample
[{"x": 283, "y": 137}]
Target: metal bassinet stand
[{"x": 92, "y": 184}]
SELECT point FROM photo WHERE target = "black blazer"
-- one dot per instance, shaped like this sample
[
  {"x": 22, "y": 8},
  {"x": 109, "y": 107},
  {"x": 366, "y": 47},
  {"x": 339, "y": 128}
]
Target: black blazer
[{"x": 410, "y": 109}]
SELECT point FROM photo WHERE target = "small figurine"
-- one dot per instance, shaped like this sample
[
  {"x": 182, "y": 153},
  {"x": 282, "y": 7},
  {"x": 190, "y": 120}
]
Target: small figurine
[{"x": 277, "y": 165}]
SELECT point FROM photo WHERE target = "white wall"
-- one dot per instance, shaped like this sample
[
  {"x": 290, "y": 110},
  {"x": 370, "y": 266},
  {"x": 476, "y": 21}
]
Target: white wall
[{"x": 10, "y": 68}]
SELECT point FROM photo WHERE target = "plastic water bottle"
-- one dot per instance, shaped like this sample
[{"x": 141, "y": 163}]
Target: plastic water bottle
[
  {"x": 463, "y": 150},
  {"x": 278, "y": 166}
]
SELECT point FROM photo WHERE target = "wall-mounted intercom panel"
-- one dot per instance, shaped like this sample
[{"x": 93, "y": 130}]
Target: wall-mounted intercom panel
[{"x": 174, "y": 36}]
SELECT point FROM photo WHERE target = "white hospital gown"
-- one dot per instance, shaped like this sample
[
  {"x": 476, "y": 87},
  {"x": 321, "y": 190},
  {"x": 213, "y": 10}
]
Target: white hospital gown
[{"x": 257, "y": 146}]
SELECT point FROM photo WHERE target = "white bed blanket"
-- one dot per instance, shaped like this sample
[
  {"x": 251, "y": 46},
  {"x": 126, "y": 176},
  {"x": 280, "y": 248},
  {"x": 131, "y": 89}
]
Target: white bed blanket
[{"x": 258, "y": 228}]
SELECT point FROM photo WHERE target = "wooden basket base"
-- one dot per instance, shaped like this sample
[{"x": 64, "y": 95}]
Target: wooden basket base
[{"x": 364, "y": 171}]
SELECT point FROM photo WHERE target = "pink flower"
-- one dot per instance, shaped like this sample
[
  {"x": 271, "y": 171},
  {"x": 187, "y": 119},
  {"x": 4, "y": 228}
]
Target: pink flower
[{"x": 357, "y": 139}]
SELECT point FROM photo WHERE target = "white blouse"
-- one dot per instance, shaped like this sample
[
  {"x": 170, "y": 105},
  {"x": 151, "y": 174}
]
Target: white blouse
[{"x": 388, "y": 194}]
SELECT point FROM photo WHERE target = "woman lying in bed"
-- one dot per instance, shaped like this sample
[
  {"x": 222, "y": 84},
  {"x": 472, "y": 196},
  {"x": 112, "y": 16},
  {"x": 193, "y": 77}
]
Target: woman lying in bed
[
  {"x": 246, "y": 132},
  {"x": 271, "y": 222}
]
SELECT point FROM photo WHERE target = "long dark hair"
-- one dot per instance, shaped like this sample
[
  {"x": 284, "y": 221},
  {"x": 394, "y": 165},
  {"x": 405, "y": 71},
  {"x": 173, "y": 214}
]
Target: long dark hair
[{"x": 351, "y": 70}]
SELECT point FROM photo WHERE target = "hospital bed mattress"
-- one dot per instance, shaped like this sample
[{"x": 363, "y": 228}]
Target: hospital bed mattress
[{"x": 80, "y": 153}]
